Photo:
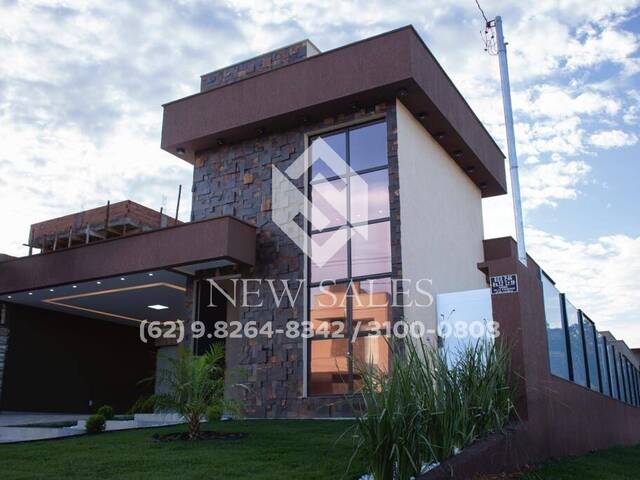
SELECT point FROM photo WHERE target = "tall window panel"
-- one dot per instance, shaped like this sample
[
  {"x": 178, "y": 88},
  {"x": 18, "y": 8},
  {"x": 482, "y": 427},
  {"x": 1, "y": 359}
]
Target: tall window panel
[
  {"x": 556, "y": 333},
  {"x": 577, "y": 348},
  {"x": 604, "y": 364},
  {"x": 613, "y": 371},
  {"x": 589, "y": 331},
  {"x": 350, "y": 294}
]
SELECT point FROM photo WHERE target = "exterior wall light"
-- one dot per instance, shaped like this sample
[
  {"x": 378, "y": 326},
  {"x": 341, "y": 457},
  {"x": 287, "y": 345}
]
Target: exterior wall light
[{"x": 180, "y": 151}]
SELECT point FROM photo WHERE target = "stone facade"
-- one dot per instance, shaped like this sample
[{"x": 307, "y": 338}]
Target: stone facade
[
  {"x": 254, "y": 66},
  {"x": 236, "y": 180}
]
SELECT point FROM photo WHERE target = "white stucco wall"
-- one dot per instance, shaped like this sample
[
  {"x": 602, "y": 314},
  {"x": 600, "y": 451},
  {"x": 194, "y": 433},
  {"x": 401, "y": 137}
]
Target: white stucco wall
[{"x": 440, "y": 218}]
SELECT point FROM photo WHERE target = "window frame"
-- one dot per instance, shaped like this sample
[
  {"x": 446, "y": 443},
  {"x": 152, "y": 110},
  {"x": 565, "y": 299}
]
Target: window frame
[{"x": 349, "y": 279}]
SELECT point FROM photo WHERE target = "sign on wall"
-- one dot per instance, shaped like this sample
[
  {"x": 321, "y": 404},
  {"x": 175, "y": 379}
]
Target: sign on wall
[{"x": 504, "y": 284}]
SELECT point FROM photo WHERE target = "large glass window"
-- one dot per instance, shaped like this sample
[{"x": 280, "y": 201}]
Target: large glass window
[
  {"x": 589, "y": 331},
  {"x": 575, "y": 340},
  {"x": 556, "y": 333},
  {"x": 613, "y": 371},
  {"x": 350, "y": 265},
  {"x": 604, "y": 364}
]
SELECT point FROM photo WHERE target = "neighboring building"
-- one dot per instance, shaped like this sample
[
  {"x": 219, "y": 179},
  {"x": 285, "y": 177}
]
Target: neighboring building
[{"x": 392, "y": 114}]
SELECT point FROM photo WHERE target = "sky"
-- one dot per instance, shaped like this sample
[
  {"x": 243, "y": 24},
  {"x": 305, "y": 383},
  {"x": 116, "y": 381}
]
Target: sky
[{"x": 82, "y": 84}]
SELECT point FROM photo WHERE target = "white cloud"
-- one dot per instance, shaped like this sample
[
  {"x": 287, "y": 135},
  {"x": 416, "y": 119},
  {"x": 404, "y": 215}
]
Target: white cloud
[
  {"x": 613, "y": 139},
  {"x": 599, "y": 276},
  {"x": 546, "y": 184}
]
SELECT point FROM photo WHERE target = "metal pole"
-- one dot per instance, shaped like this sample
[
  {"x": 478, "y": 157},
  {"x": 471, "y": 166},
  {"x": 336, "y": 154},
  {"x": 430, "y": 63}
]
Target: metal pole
[
  {"x": 178, "y": 204},
  {"x": 511, "y": 141}
]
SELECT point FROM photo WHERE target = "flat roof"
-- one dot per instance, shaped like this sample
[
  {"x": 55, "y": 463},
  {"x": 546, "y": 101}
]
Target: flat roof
[
  {"x": 184, "y": 248},
  {"x": 395, "y": 64}
]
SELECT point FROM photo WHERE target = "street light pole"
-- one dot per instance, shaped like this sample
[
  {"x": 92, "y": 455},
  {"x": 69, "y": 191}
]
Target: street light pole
[{"x": 511, "y": 140}]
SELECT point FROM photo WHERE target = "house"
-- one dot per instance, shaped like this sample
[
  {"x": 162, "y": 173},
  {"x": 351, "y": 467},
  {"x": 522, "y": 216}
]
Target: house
[{"x": 263, "y": 226}]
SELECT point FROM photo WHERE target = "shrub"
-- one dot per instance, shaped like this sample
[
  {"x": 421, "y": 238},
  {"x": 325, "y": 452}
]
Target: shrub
[
  {"x": 106, "y": 411},
  {"x": 214, "y": 413},
  {"x": 96, "y": 424},
  {"x": 425, "y": 409}
]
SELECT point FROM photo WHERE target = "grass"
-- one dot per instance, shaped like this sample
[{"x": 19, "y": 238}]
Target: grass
[
  {"x": 614, "y": 464},
  {"x": 273, "y": 449}
]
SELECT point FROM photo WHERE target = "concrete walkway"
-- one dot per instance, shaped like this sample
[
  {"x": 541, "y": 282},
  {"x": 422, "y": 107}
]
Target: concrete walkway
[
  {"x": 10, "y": 419},
  {"x": 11, "y": 432}
]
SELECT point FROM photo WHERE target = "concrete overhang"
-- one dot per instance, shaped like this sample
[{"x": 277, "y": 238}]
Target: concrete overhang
[
  {"x": 396, "y": 64},
  {"x": 182, "y": 248}
]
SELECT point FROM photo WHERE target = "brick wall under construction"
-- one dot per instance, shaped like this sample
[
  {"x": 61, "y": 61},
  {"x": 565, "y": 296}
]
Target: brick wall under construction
[{"x": 109, "y": 221}]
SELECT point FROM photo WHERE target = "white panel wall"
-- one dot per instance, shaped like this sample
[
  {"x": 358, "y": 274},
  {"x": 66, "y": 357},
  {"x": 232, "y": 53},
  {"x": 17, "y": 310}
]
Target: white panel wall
[{"x": 440, "y": 215}]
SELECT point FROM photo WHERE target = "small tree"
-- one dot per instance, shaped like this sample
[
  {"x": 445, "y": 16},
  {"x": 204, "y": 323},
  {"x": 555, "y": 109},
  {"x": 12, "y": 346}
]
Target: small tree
[{"x": 194, "y": 384}]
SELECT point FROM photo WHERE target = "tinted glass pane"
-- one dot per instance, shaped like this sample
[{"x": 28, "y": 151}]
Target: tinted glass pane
[
  {"x": 623, "y": 379},
  {"x": 329, "y": 366},
  {"x": 372, "y": 350},
  {"x": 328, "y": 309},
  {"x": 371, "y": 255},
  {"x": 592, "y": 353},
  {"x": 370, "y": 196},
  {"x": 556, "y": 338},
  {"x": 575, "y": 338},
  {"x": 613, "y": 372},
  {"x": 329, "y": 204},
  {"x": 604, "y": 371},
  {"x": 329, "y": 255},
  {"x": 372, "y": 304},
  {"x": 321, "y": 166},
  {"x": 368, "y": 146}
]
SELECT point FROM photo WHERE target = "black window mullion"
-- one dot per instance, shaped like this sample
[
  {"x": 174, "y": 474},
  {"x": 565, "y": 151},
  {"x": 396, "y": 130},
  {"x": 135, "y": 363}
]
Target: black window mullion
[
  {"x": 567, "y": 335},
  {"x": 349, "y": 292}
]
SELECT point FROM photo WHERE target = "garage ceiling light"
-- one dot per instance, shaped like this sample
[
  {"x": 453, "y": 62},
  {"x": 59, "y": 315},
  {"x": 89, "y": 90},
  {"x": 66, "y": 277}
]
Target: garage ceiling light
[{"x": 158, "y": 307}]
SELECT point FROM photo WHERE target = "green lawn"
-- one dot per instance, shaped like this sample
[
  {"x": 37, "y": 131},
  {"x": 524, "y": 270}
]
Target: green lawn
[
  {"x": 278, "y": 449},
  {"x": 614, "y": 464}
]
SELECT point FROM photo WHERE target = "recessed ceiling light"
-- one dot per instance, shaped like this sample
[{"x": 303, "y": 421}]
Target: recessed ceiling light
[
  {"x": 98, "y": 282},
  {"x": 30, "y": 293},
  {"x": 9, "y": 296},
  {"x": 122, "y": 278},
  {"x": 158, "y": 307},
  {"x": 74, "y": 286},
  {"x": 51, "y": 290},
  {"x": 151, "y": 274}
]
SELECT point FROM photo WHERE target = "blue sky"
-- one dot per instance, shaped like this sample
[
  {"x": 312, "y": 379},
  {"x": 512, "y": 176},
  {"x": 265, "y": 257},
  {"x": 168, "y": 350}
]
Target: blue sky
[{"x": 81, "y": 84}]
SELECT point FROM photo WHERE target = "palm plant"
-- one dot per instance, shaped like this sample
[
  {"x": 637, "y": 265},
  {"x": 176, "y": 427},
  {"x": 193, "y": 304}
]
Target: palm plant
[{"x": 194, "y": 384}]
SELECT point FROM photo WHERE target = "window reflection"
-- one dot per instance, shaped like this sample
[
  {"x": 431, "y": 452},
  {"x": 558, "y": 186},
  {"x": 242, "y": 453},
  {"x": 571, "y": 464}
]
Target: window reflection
[
  {"x": 371, "y": 249},
  {"x": 592, "y": 356},
  {"x": 368, "y": 146},
  {"x": 320, "y": 167},
  {"x": 328, "y": 308},
  {"x": 372, "y": 304},
  {"x": 556, "y": 339},
  {"x": 370, "y": 197},
  {"x": 329, "y": 367},
  {"x": 575, "y": 339},
  {"x": 329, "y": 255},
  {"x": 329, "y": 200},
  {"x": 372, "y": 350}
]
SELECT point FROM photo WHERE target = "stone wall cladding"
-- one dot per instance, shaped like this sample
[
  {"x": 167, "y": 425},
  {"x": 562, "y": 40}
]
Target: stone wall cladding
[
  {"x": 236, "y": 180},
  {"x": 254, "y": 66}
]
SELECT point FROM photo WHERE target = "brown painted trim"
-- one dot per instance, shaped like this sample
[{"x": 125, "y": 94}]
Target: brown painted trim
[
  {"x": 365, "y": 73},
  {"x": 220, "y": 238}
]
